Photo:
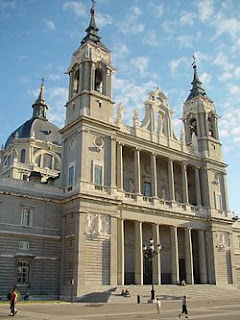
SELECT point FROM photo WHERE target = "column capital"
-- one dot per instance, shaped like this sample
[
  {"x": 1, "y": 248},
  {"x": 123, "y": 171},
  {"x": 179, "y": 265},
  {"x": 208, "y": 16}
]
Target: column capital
[
  {"x": 138, "y": 149},
  {"x": 113, "y": 138},
  {"x": 197, "y": 167}
]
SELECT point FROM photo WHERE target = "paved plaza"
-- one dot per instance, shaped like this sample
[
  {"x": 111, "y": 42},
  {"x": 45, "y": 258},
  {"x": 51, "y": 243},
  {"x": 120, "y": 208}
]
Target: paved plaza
[{"x": 203, "y": 309}]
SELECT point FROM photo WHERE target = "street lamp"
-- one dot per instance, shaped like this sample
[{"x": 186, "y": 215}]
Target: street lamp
[{"x": 149, "y": 252}]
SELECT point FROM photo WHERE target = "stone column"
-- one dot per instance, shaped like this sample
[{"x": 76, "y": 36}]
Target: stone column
[
  {"x": 154, "y": 175},
  {"x": 83, "y": 171},
  {"x": 138, "y": 254},
  {"x": 225, "y": 192},
  {"x": 174, "y": 256},
  {"x": 202, "y": 257},
  {"x": 188, "y": 257},
  {"x": 197, "y": 185},
  {"x": 113, "y": 162},
  {"x": 79, "y": 260},
  {"x": 113, "y": 252},
  {"x": 121, "y": 260},
  {"x": 120, "y": 166},
  {"x": 185, "y": 183},
  {"x": 198, "y": 126},
  {"x": 157, "y": 257},
  {"x": 171, "y": 180},
  {"x": 137, "y": 171},
  {"x": 93, "y": 77}
]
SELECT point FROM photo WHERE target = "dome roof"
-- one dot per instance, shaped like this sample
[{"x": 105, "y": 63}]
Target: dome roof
[{"x": 38, "y": 127}]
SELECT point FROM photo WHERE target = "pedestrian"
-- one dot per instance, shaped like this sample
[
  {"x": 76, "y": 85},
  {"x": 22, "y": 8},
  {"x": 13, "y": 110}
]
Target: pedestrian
[
  {"x": 158, "y": 305},
  {"x": 184, "y": 307},
  {"x": 13, "y": 301}
]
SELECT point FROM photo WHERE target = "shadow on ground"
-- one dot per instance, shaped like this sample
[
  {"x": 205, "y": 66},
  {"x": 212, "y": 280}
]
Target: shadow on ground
[{"x": 96, "y": 297}]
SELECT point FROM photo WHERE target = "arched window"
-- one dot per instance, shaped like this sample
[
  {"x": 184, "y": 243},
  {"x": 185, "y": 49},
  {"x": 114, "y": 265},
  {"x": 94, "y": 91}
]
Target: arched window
[
  {"x": 193, "y": 126},
  {"x": 76, "y": 82},
  {"x": 211, "y": 127},
  {"x": 23, "y": 156},
  {"x": 98, "y": 80}
]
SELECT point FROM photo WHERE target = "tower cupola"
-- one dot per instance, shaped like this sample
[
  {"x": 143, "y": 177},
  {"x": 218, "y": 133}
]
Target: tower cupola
[{"x": 40, "y": 107}]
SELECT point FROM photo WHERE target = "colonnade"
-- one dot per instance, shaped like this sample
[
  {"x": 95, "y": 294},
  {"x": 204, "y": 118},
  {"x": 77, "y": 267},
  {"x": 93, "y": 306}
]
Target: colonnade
[
  {"x": 154, "y": 176},
  {"x": 156, "y": 263}
]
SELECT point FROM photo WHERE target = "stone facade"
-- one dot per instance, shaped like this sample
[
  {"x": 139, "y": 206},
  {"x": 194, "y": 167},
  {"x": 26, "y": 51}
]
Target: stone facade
[{"x": 120, "y": 186}]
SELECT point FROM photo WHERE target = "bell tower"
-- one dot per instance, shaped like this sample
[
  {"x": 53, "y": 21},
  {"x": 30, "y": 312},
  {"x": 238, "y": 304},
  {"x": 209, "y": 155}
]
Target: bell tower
[
  {"x": 90, "y": 74},
  {"x": 201, "y": 120}
]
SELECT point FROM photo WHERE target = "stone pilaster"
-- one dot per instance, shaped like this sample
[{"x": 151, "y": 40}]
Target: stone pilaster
[
  {"x": 171, "y": 180},
  {"x": 157, "y": 257},
  {"x": 120, "y": 166},
  {"x": 188, "y": 256},
  {"x": 137, "y": 171},
  {"x": 138, "y": 253},
  {"x": 113, "y": 252},
  {"x": 154, "y": 175},
  {"x": 113, "y": 162},
  {"x": 174, "y": 256},
  {"x": 197, "y": 185},
  {"x": 120, "y": 250},
  {"x": 185, "y": 183},
  {"x": 202, "y": 257}
]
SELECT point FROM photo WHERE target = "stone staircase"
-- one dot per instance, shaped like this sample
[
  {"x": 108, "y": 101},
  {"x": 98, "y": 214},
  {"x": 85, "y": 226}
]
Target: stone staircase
[{"x": 174, "y": 293}]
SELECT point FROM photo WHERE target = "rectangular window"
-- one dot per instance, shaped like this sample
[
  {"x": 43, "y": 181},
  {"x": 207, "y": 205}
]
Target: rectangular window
[
  {"x": 23, "y": 245},
  {"x": 71, "y": 176},
  {"x": 98, "y": 175},
  {"x": 147, "y": 189},
  {"x": 218, "y": 202},
  {"x": 26, "y": 216},
  {"x": 23, "y": 272}
]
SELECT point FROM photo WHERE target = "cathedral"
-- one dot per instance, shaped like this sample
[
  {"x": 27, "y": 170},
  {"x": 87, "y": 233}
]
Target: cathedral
[{"x": 83, "y": 207}]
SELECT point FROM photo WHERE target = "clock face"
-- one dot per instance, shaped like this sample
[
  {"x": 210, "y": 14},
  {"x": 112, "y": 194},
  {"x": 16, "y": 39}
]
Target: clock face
[{"x": 73, "y": 143}]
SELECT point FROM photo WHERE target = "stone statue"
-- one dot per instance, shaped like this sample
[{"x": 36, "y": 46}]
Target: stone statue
[
  {"x": 163, "y": 192},
  {"x": 182, "y": 136},
  {"x": 177, "y": 196},
  {"x": 120, "y": 113},
  {"x": 136, "y": 118},
  {"x": 160, "y": 123},
  {"x": 131, "y": 185},
  {"x": 194, "y": 141}
]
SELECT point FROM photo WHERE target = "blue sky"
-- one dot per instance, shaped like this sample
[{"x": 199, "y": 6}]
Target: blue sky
[{"x": 152, "y": 43}]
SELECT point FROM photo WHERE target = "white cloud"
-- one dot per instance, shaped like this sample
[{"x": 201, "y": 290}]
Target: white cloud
[
  {"x": 151, "y": 38},
  {"x": 205, "y": 9},
  {"x": 201, "y": 57},
  {"x": 57, "y": 98},
  {"x": 227, "y": 26},
  {"x": 158, "y": 10},
  {"x": 76, "y": 7},
  {"x": 132, "y": 96},
  {"x": 225, "y": 76},
  {"x": 222, "y": 60},
  {"x": 131, "y": 23},
  {"x": 235, "y": 90},
  {"x": 50, "y": 25},
  {"x": 141, "y": 63},
  {"x": 187, "y": 18},
  {"x": 103, "y": 20},
  {"x": 186, "y": 41},
  {"x": 7, "y": 4},
  {"x": 205, "y": 78},
  {"x": 174, "y": 64}
]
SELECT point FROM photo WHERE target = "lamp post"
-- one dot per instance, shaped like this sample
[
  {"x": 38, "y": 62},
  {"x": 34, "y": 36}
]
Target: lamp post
[{"x": 149, "y": 252}]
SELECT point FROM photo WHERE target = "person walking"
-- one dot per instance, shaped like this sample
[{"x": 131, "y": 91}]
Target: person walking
[
  {"x": 184, "y": 307},
  {"x": 13, "y": 301},
  {"x": 158, "y": 305}
]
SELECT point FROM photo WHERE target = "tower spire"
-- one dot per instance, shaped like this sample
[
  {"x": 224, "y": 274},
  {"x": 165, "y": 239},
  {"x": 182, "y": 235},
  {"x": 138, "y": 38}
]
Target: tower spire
[
  {"x": 92, "y": 29},
  {"x": 40, "y": 106},
  {"x": 197, "y": 89}
]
